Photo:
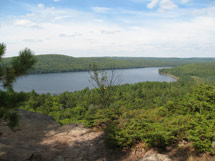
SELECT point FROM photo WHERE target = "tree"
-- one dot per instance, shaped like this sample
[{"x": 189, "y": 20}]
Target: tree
[
  {"x": 104, "y": 82},
  {"x": 9, "y": 99}
]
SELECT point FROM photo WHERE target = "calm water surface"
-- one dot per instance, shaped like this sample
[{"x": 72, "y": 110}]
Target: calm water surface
[{"x": 56, "y": 83}]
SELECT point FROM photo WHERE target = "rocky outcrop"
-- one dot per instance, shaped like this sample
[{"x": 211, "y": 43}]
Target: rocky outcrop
[{"x": 40, "y": 137}]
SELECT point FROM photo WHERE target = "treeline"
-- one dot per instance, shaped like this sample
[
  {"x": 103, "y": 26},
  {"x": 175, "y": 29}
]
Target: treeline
[{"x": 61, "y": 63}]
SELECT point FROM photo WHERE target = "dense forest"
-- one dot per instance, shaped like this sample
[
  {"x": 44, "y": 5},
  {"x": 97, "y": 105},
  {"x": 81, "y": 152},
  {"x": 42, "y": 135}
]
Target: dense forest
[
  {"x": 157, "y": 114},
  {"x": 61, "y": 63}
]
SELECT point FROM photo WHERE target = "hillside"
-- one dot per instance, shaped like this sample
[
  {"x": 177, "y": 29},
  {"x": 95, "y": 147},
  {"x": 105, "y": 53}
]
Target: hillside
[
  {"x": 46, "y": 140},
  {"x": 203, "y": 72},
  {"x": 62, "y": 63}
]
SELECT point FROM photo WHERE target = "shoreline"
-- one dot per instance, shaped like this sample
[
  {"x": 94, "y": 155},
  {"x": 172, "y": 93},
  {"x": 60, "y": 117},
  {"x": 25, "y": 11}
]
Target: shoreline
[
  {"x": 170, "y": 75},
  {"x": 42, "y": 72}
]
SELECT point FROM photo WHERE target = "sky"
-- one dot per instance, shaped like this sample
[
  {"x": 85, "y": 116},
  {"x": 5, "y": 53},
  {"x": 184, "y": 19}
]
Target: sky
[{"x": 96, "y": 28}]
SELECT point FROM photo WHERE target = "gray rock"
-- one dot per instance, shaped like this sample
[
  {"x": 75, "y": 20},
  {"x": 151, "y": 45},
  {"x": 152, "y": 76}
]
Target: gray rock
[
  {"x": 156, "y": 157},
  {"x": 29, "y": 119},
  {"x": 40, "y": 138},
  {"x": 59, "y": 158}
]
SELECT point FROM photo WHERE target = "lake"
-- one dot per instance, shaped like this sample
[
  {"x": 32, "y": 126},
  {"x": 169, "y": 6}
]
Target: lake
[{"x": 56, "y": 83}]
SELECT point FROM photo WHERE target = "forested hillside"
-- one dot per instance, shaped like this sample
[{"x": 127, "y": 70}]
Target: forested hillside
[
  {"x": 204, "y": 72},
  {"x": 156, "y": 114},
  {"x": 62, "y": 63}
]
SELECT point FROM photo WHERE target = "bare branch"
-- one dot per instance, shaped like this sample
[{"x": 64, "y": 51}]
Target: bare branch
[{"x": 104, "y": 81}]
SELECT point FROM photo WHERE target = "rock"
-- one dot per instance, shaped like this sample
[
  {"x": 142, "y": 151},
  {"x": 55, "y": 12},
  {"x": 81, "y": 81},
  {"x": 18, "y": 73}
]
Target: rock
[
  {"x": 155, "y": 157},
  {"x": 36, "y": 120},
  {"x": 59, "y": 158},
  {"x": 40, "y": 138}
]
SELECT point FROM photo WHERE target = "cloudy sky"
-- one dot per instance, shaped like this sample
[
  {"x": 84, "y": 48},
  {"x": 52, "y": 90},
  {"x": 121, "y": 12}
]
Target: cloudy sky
[{"x": 85, "y": 28}]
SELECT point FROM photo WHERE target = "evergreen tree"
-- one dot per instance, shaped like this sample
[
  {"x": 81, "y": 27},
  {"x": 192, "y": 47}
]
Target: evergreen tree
[{"x": 9, "y": 99}]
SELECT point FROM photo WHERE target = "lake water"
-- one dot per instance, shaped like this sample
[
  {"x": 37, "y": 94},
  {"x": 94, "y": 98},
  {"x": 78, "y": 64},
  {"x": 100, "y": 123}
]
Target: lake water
[{"x": 56, "y": 83}]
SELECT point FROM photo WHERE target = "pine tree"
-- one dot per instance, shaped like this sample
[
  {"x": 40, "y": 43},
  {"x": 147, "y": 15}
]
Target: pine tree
[{"x": 10, "y": 100}]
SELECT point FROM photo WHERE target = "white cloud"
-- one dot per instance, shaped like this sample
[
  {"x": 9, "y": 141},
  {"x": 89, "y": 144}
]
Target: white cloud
[
  {"x": 210, "y": 12},
  {"x": 163, "y": 4},
  {"x": 110, "y": 32},
  {"x": 76, "y": 34},
  {"x": 152, "y": 4},
  {"x": 22, "y": 22},
  {"x": 184, "y": 1},
  {"x": 87, "y": 34},
  {"x": 56, "y": 0},
  {"x": 101, "y": 9},
  {"x": 62, "y": 17},
  {"x": 25, "y": 22},
  {"x": 32, "y": 40},
  {"x": 41, "y": 5},
  {"x": 167, "y": 5}
]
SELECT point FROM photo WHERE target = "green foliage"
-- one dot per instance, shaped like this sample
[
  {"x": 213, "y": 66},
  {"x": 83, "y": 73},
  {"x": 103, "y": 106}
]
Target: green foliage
[
  {"x": 202, "y": 134},
  {"x": 199, "y": 105},
  {"x": 10, "y": 115},
  {"x": 159, "y": 114},
  {"x": 9, "y": 99},
  {"x": 2, "y": 50},
  {"x": 20, "y": 65}
]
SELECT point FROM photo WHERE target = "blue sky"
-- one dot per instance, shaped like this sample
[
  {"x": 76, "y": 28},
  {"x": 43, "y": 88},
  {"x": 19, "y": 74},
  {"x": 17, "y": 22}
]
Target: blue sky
[{"x": 86, "y": 28}]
